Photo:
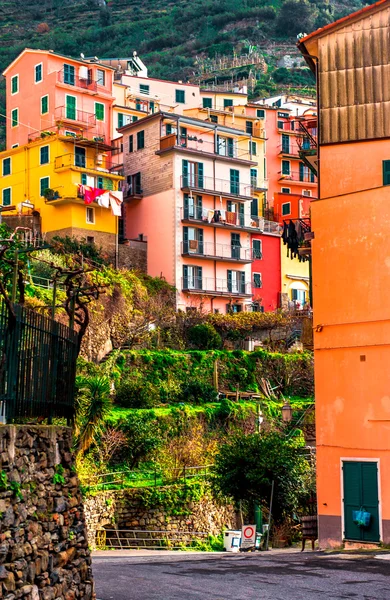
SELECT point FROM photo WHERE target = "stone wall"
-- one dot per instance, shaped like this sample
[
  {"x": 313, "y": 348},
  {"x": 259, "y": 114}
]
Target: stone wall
[
  {"x": 132, "y": 254},
  {"x": 124, "y": 510},
  {"x": 44, "y": 551}
]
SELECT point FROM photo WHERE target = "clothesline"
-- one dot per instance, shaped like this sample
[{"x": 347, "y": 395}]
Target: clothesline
[{"x": 104, "y": 198}]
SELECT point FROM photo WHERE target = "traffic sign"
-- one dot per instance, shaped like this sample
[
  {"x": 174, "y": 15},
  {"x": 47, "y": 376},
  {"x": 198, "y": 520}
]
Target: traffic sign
[{"x": 248, "y": 537}]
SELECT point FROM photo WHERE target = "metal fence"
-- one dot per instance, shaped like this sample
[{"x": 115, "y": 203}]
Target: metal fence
[
  {"x": 37, "y": 366},
  {"x": 126, "y": 539}
]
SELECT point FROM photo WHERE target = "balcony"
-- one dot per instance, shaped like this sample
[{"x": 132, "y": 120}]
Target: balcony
[
  {"x": 208, "y": 286},
  {"x": 298, "y": 177},
  {"x": 229, "y": 220},
  {"x": 97, "y": 164},
  {"x": 308, "y": 144},
  {"x": 291, "y": 149},
  {"x": 72, "y": 115},
  {"x": 196, "y": 145},
  {"x": 80, "y": 82},
  {"x": 216, "y": 187},
  {"x": 211, "y": 251}
]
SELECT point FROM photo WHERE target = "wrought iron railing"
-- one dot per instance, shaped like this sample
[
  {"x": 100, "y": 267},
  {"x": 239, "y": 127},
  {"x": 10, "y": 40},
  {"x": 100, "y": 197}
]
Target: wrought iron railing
[{"x": 37, "y": 366}]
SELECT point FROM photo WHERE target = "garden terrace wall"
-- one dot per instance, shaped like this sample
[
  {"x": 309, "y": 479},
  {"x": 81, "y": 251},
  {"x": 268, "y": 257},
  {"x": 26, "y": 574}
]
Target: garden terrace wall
[
  {"x": 126, "y": 510},
  {"x": 44, "y": 551}
]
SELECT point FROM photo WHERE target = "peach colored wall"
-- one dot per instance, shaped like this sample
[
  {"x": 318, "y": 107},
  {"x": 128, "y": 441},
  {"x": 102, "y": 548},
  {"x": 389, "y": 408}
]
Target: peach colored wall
[{"x": 164, "y": 92}]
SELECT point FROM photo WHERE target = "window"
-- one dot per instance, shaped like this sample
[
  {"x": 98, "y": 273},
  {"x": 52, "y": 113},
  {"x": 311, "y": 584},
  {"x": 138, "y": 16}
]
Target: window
[
  {"x": 123, "y": 120},
  {"x": 140, "y": 140},
  {"x": 151, "y": 107},
  {"x": 6, "y": 166},
  {"x": 6, "y": 199},
  {"x": 192, "y": 174},
  {"x": 253, "y": 148},
  {"x": 193, "y": 207},
  {"x": 15, "y": 117},
  {"x": 227, "y": 102},
  {"x": 236, "y": 281},
  {"x": 38, "y": 73},
  {"x": 15, "y": 146},
  {"x": 255, "y": 207},
  {"x": 100, "y": 77},
  {"x": 226, "y": 146},
  {"x": 44, "y": 105},
  {"x": 192, "y": 277},
  {"x": 180, "y": 96},
  {"x": 249, "y": 127},
  {"x": 235, "y": 244},
  {"x": 44, "y": 155},
  {"x": 234, "y": 181},
  {"x": 192, "y": 240},
  {"x": 280, "y": 124},
  {"x": 138, "y": 105},
  {"x": 131, "y": 143},
  {"x": 15, "y": 84},
  {"x": 233, "y": 308},
  {"x": 286, "y": 208},
  {"x": 213, "y": 118},
  {"x": 286, "y": 191},
  {"x": 306, "y": 193},
  {"x": 207, "y": 102},
  {"x": 99, "y": 111},
  {"x": 238, "y": 209},
  {"x": 285, "y": 143},
  {"x": 100, "y": 183},
  {"x": 299, "y": 296},
  {"x": 90, "y": 215},
  {"x": 283, "y": 115},
  {"x": 134, "y": 184},
  {"x": 44, "y": 184},
  {"x": 69, "y": 74},
  {"x": 286, "y": 167},
  {"x": 257, "y": 307},
  {"x": 90, "y": 239},
  {"x": 386, "y": 172},
  {"x": 260, "y": 113},
  {"x": 144, "y": 88},
  {"x": 70, "y": 134},
  {"x": 257, "y": 249},
  {"x": 254, "y": 178},
  {"x": 257, "y": 280},
  {"x": 70, "y": 107}
]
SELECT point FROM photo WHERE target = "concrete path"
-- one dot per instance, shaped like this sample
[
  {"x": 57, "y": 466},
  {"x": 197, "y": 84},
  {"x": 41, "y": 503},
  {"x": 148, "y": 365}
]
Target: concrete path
[{"x": 274, "y": 575}]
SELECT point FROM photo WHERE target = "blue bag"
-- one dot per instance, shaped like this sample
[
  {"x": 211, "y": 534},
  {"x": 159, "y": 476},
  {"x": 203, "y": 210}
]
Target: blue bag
[{"x": 361, "y": 518}]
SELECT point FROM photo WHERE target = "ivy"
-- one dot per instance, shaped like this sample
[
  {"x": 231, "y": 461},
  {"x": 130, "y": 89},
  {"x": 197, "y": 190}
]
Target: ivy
[{"x": 173, "y": 499}]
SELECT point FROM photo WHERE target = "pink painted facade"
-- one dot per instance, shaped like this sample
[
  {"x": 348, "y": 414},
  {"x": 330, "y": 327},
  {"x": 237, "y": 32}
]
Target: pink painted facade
[
  {"x": 266, "y": 270},
  {"x": 49, "y": 92},
  {"x": 189, "y": 193}
]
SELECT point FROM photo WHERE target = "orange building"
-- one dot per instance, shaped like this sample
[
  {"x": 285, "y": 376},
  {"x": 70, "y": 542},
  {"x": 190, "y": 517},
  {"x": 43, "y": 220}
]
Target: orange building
[{"x": 351, "y": 276}]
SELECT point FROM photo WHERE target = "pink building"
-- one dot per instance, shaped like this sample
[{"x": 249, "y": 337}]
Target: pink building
[
  {"x": 48, "y": 92},
  {"x": 188, "y": 191}
]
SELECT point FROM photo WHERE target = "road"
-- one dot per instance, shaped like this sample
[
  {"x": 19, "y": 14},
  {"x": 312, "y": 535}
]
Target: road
[{"x": 260, "y": 576}]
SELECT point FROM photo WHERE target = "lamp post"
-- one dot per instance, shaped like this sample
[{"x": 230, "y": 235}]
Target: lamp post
[{"x": 287, "y": 412}]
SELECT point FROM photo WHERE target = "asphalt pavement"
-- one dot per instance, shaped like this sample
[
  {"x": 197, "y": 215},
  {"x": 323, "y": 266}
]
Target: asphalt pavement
[{"x": 253, "y": 576}]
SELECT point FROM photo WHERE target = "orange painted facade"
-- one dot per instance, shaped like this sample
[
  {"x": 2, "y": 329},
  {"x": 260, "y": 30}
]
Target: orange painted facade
[{"x": 351, "y": 278}]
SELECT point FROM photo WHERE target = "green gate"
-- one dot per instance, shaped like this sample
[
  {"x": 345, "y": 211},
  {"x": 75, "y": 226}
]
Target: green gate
[{"x": 361, "y": 490}]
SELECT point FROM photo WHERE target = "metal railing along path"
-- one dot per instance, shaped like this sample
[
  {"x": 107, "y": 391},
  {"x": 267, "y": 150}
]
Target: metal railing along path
[{"x": 127, "y": 539}]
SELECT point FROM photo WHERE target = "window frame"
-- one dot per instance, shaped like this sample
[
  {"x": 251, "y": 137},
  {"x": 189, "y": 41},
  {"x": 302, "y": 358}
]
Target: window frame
[
  {"x": 15, "y": 122},
  {"x": 285, "y": 214},
  {"x": 131, "y": 143},
  {"x": 260, "y": 110},
  {"x": 205, "y": 101},
  {"x": 90, "y": 210},
  {"x": 73, "y": 73},
  {"x": 13, "y": 78},
  {"x": 46, "y": 96},
  {"x": 35, "y": 73},
  {"x": 254, "y": 281},
  {"x": 141, "y": 136},
  {"x": 8, "y": 158},
  {"x": 283, "y": 190},
  {"x": 285, "y": 162},
  {"x": 10, "y": 196},
  {"x": 386, "y": 172},
  {"x": 75, "y": 107},
  {"x": 227, "y": 102},
  {"x": 142, "y": 91},
  {"x": 257, "y": 254},
  {"x": 177, "y": 92},
  {"x": 48, "y": 155},
  {"x": 100, "y": 104},
  {"x": 103, "y": 73},
  {"x": 47, "y": 187}
]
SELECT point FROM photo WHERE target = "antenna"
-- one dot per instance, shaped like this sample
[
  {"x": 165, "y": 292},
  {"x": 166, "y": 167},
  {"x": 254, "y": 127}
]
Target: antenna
[{"x": 82, "y": 55}]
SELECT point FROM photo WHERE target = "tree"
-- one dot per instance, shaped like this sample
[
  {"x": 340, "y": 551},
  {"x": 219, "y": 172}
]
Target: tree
[
  {"x": 295, "y": 16},
  {"x": 93, "y": 406},
  {"x": 246, "y": 466},
  {"x": 143, "y": 436}
]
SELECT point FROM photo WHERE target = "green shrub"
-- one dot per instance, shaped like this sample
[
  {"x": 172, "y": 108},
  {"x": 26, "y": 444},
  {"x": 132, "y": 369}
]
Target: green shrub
[
  {"x": 136, "y": 392},
  {"x": 198, "y": 392},
  {"x": 204, "y": 337}
]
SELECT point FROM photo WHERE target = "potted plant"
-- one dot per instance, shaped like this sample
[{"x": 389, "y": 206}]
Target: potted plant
[{"x": 50, "y": 194}]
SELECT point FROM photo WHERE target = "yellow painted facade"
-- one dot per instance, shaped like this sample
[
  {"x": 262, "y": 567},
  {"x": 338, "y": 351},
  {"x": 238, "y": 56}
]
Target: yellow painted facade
[
  {"x": 295, "y": 275},
  {"x": 59, "y": 163}
]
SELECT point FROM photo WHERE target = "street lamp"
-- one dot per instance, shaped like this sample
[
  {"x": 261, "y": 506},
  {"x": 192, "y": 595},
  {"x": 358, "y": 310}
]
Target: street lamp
[{"x": 287, "y": 412}]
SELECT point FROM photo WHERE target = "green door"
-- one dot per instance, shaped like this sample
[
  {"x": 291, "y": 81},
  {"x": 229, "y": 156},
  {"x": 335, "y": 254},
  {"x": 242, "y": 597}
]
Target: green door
[
  {"x": 70, "y": 107},
  {"x": 361, "y": 491}
]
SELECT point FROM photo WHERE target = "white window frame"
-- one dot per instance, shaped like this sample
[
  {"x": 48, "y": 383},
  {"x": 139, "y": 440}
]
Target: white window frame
[
  {"x": 10, "y": 196},
  {"x": 306, "y": 193},
  {"x": 261, "y": 249},
  {"x": 104, "y": 112},
  {"x": 285, "y": 204},
  {"x": 87, "y": 212},
  {"x": 40, "y": 184},
  {"x": 75, "y": 106},
  {"x": 12, "y": 125},
  {"x": 48, "y": 101},
  {"x": 285, "y": 188},
  {"x": 35, "y": 73},
  {"x": 40, "y": 150},
  {"x": 253, "y": 280},
  {"x": 285, "y": 160},
  {"x": 104, "y": 77},
  {"x": 70, "y": 133},
  {"x": 12, "y": 78},
  {"x": 15, "y": 146},
  {"x": 10, "y": 166}
]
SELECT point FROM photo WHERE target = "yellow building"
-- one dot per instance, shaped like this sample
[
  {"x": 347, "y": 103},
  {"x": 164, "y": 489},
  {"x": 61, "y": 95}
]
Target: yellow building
[
  {"x": 295, "y": 289},
  {"x": 46, "y": 173}
]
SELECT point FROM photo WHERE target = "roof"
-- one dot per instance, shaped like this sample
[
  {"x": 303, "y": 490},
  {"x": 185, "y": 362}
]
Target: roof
[
  {"x": 51, "y": 52},
  {"x": 139, "y": 77},
  {"x": 222, "y": 93},
  {"x": 336, "y": 24}
]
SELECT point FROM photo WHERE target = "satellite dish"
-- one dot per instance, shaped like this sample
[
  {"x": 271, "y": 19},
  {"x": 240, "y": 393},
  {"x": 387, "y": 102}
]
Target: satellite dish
[
  {"x": 96, "y": 58},
  {"x": 82, "y": 56}
]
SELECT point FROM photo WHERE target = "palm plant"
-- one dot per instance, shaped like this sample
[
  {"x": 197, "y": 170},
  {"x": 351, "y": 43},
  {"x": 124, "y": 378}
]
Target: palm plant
[{"x": 92, "y": 407}]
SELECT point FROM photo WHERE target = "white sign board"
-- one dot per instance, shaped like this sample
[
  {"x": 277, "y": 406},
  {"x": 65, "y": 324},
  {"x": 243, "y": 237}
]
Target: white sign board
[{"x": 248, "y": 537}]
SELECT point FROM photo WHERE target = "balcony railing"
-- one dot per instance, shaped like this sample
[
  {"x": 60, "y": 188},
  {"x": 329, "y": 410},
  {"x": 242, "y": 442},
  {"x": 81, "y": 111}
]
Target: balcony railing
[
  {"x": 84, "y": 162},
  {"x": 193, "y": 142},
  {"x": 298, "y": 176},
  {"x": 232, "y": 220},
  {"x": 292, "y": 149},
  {"x": 218, "y": 287},
  {"x": 68, "y": 113},
  {"x": 217, "y": 251},
  {"x": 219, "y": 186},
  {"x": 80, "y": 82}
]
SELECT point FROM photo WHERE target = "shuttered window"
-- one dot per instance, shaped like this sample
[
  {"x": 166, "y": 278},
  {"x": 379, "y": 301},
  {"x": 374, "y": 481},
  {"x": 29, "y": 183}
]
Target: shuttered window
[
  {"x": 6, "y": 197},
  {"x": 38, "y": 73},
  {"x": 70, "y": 107},
  {"x": 234, "y": 181},
  {"x": 99, "y": 111},
  {"x": 6, "y": 166},
  {"x": 15, "y": 84},
  {"x": 131, "y": 143},
  {"x": 140, "y": 140},
  {"x": 44, "y": 155},
  {"x": 257, "y": 249},
  {"x": 69, "y": 74},
  {"x": 386, "y": 172},
  {"x": 207, "y": 103},
  {"x": 286, "y": 167},
  {"x": 44, "y": 185},
  {"x": 180, "y": 96},
  {"x": 257, "y": 280},
  {"x": 15, "y": 117},
  {"x": 44, "y": 105}
]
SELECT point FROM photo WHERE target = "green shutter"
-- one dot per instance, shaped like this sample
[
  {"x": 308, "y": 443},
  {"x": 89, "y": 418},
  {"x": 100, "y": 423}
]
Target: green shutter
[
  {"x": 44, "y": 185},
  {"x": 185, "y": 173},
  {"x": 386, "y": 172},
  {"x": 242, "y": 282},
  {"x": 15, "y": 117},
  {"x": 199, "y": 278},
  {"x": 198, "y": 207},
  {"x": 361, "y": 491},
  {"x": 185, "y": 240},
  {"x": 230, "y": 147},
  {"x": 99, "y": 111},
  {"x": 168, "y": 128},
  {"x": 285, "y": 143},
  {"x": 200, "y": 176},
  {"x": 140, "y": 140},
  {"x": 301, "y": 172},
  {"x": 131, "y": 143},
  {"x": 200, "y": 241},
  {"x": 44, "y": 105},
  {"x": 70, "y": 107},
  {"x": 234, "y": 181},
  {"x": 180, "y": 96},
  {"x": 121, "y": 120},
  {"x": 100, "y": 183},
  {"x": 15, "y": 84},
  {"x": 7, "y": 197},
  {"x": 84, "y": 178},
  {"x": 185, "y": 277},
  {"x": 44, "y": 155},
  {"x": 69, "y": 74},
  {"x": 207, "y": 102},
  {"x": 6, "y": 166},
  {"x": 229, "y": 280}
]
